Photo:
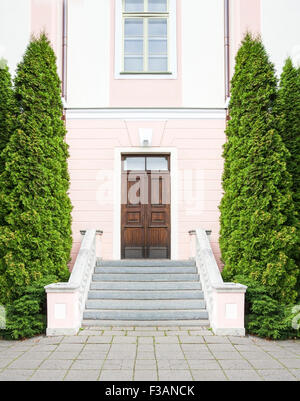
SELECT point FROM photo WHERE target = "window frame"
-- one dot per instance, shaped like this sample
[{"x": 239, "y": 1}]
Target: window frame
[
  {"x": 145, "y": 16},
  {"x": 120, "y": 16}
]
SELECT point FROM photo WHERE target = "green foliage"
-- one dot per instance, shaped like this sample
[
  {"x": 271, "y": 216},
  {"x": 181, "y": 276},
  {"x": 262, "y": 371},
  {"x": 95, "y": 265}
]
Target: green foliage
[
  {"x": 35, "y": 210},
  {"x": 288, "y": 112},
  {"x": 7, "y": 109},
  {"x": 258, "y": 220},
  {"x": 265, "y": 316},
  {"x": 26, "y": 316}
]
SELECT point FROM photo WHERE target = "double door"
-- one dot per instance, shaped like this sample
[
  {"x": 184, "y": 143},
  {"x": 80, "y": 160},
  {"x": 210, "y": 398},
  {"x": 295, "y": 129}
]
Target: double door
[{"x": 145, "y": 208}]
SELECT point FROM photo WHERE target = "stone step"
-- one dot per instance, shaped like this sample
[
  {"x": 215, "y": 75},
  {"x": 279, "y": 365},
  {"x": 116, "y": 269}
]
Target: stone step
[
  {"x": 147, "y": 269},
  {"x": 110, "y": 314},
  {"x": 201, "y": 323},
  {"x": 146, "y": 285},
  {"x": 148, "y": 304},
  {"x": 145, "y": 277},
  {"x": 144, "y": 262},
  {"x": 179, "y": 294}
]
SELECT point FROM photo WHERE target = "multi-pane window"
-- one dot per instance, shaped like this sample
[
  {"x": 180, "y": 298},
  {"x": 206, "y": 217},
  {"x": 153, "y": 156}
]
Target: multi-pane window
[{"x": 145, "y": 31}]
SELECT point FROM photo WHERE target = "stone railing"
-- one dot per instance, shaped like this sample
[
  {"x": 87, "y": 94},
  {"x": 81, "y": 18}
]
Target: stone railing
[
  {"x": 224, "y": 301},
  {"x": 66, "y": 301}
]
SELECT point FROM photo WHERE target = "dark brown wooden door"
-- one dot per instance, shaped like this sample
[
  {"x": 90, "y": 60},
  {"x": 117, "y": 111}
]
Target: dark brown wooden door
[{"x": 145, "y": 208}]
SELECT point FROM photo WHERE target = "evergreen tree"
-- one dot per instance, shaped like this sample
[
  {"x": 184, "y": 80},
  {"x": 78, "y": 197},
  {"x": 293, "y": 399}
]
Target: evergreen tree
[
  {"x": 258, "y": 230},
  {"x": 288, "y": 111},
  {"x": 35, "y": 239},
  {"x": 7, "y": 108}
]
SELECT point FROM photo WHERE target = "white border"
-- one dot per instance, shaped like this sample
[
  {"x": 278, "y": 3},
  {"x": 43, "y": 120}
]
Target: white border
[
  {"x": 172, "y": 45},
  {"x": 146, "y": 113},
  {"x": 117, "y": 196}
]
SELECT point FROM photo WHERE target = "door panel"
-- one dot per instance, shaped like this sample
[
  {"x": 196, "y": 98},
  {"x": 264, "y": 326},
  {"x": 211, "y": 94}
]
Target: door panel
[{"x": 145, "y": 209}]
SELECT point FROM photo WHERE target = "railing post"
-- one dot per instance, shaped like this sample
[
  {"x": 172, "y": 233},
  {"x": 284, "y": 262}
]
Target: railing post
[{"x": 66, "y": 301}]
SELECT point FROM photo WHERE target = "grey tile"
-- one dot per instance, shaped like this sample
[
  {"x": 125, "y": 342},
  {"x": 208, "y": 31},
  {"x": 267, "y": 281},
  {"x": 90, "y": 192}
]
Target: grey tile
[
  {"x": 242, "y": 375},
  {"x": 145, "y": 340},
  {"x": 194, "y": 348},
  {"x": 118, "y": 364},
  {"x": 248, "y": 348},
  {"x": 25, "y": 364},
  {"x": 221, "y": 347},
  {"x": 69, "y": 347},
  {"x": 277, "y": 375},
  {"x": 99, "y": 340},
  {"x": 265, "y": 364},
  {"x": 172, "y": 375},
  {"x": 173, "y": 364},
  {"x": 124, "y": 340},
  {"x": 145, "y": 375},
  {"x": 208, "y": 375},
  {"x": 35, "y": 356},
  {"x": 96, "y": 347},
  {"x": 296, "y": 373},
  {"x": 216, "y": 340},
  {"x": 52, "y": 364},
  {"x": 116, "y": 375},
  {"x": 235, "y": 364},
  {"x": 143, "y": 364},
  {"x": 63, "y": 356},
  {"x": 15, "y": 375},
  {"x": 204, "y": 364},
  {"x": 145, "y": 355},
  {"x": 256, "y": 355},
  {"x": 92, "y": 355},
  {"x": 291, "y": 363},
  {"x": 145, "y": 348},
  {"x": 82, "y": 375},
  {"x": 199, "y": 355},
  {"x": 227, "y": 355},
  {"x": 4, "y": 362},
  {"x": 191, "y": 339},
  {"x": 48, "y": 375},
  {"x": 74, "y": 340},
  {"x": 167, "y": 340},
  {"x": 240, "y": 340},
  {"x": 86, "y": 364}
]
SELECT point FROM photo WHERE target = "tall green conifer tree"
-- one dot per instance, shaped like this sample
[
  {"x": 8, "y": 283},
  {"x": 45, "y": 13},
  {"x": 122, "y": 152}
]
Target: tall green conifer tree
[
  {"x": 258, "y": 232},
  {"x": 35, "y": 239}
]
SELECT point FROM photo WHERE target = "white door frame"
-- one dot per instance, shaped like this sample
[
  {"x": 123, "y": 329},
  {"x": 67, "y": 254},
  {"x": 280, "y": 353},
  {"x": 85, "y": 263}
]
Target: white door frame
[{"x": 117, "y": 195}]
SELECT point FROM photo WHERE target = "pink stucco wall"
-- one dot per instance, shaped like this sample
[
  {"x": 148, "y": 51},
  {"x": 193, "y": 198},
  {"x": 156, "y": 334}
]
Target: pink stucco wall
[{"x": 199, "y": 144}]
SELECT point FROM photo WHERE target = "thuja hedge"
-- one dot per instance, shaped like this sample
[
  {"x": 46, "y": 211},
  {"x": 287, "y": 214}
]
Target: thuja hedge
[
  {"x": 258, "y": 218},
  {"x": 35, "y": 210}
]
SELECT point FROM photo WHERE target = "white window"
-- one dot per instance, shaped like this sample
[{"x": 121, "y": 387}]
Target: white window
[{"x": 146, "y": 42}]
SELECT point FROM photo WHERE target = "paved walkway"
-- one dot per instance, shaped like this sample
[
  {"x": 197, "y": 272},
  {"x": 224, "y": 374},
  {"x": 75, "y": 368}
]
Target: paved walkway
[{"x": 135, "y": 353}]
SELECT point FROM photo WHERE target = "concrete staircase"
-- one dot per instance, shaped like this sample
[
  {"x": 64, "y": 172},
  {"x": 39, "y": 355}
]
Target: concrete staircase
[{"x": 145, "y": 293}]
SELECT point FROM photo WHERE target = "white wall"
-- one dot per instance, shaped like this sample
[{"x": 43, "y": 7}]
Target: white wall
[
  {"x": 15, "y": 19},
  {"x": 88, "y": 53},
  {"x": 203, "y": 53},
  {"x": 281, "y": 30}
]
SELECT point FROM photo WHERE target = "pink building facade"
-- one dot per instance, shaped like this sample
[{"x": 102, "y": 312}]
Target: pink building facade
[{"x": 147, "y": 79}]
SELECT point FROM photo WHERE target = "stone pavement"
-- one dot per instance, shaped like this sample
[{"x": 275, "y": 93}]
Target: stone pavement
[{"x": 149, "y": 354}]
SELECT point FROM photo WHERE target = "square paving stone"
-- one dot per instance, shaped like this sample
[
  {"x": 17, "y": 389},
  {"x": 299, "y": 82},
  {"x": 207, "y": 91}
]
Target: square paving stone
[
  {"x": 34, "y": 356},
  {"x": 248, "y": 348},
  {"x": 194, "y": 348},
  {"x": 235, "y": 364},
  {"x": 277, "y": 375},
  {"x": 172, "y": 375},
  {"x": 92, "y": 364},
  {"x": 199, "y": 355},
  {"x": 99, "y": 340},
  {"x": 208, "y": 375},
  {"x": 48, "y": 375},
  {"x": 25, "y": 364},
  {"x": 92, "y": 355},
  {"x": 191, "y": 339},
  {"x": 52, "y": 364},
  {"x": 4, "y": 362},
  {"x": 265, "y": 364},
  {"x": 240, "y": 340},
  {"x": 10, "y": 355},
  {"x": 82, "y": 375},
  {"x": 144, "y": 364},
  {"x": 116, "y": 375},
  {"x": 227, "y": 355},
  {"x": 204, "y": 364},
  {"x": 63, "y": 356},
  {"x": 96, "y": 347},
  {"x": 145, "y": 348},
  {"x": 145, "y": 375},
  {"x": 74, "y": 340},
  {"x": 114, "y": 333},
  {"x": 118, "y": 364},
  {"x": 70, "y": 347},
  {"x": 145, "y": 355},
  {"x": 167, "y": 340},
  {"x": 173, "y": 364},
  {"x": 15, "y": 375},
  {"x": 242, "y": 375},
  {"x": 221, "y": 347},
  {"x": 145, "y": 340},
  {"x": 216, "y": 340},
  {"x": 124, "y": 340},
  {"x": 256, "y": 355},
  {"x": 291, "y": 363}
]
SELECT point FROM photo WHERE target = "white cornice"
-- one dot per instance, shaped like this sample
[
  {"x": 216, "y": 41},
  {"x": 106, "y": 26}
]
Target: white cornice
[{"x": 146, "y": 113}]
